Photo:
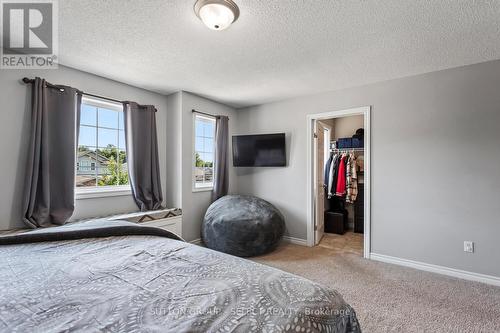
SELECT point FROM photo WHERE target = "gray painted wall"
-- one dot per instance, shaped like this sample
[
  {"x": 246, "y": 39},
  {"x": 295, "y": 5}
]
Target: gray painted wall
[
  {"x": 14, "y": 134},
  {"x": 174, "y": 150},
  {"x": 435, "y": 162},
  {"x": 175, "y": 169},
  {"x": 194, "y": 204},
  {"x": 435, "y": 158}
]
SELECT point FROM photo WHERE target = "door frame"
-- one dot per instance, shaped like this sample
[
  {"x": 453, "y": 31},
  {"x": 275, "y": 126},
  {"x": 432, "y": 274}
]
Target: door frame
[{"x": 311, "y": 196}]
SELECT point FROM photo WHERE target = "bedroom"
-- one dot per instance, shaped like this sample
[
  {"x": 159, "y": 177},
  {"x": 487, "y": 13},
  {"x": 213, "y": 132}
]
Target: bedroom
[{"x": 155, "y": 75}]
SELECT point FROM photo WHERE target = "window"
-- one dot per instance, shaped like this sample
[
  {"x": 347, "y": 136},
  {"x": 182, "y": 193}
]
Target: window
[
  {"x": 204, "y": 152},
  {"x": 101, "y": 158}
]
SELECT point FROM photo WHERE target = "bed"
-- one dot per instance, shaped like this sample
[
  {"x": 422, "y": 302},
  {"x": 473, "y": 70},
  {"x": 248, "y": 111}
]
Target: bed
[{"x": 116, "y": 276}]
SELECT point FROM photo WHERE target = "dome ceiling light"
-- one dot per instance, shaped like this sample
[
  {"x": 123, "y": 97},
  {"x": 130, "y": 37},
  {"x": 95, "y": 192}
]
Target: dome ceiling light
[{"x": 217, "y": 14}]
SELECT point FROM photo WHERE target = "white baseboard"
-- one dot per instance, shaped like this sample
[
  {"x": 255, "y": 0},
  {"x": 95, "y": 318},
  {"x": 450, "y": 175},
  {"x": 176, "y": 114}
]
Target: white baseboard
[
  {"x": 291, "y": 240},
  {"x": 196, "y": 241},
  {"x": 458, "y": 273},
  {"x": 296, "y": 241}
]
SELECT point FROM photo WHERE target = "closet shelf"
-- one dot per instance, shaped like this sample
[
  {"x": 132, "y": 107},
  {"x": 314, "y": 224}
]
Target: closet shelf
[{"x": 336, "y": 150}]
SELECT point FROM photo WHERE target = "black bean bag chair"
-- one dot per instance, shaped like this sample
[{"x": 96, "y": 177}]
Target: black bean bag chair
[{"x": 243, "y": 226}]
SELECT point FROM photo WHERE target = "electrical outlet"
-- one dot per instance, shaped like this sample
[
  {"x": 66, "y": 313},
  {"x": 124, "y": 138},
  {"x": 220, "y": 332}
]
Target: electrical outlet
[{"x": 469, "y": 246}]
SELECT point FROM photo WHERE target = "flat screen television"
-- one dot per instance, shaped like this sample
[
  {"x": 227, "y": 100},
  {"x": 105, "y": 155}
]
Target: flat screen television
[{"x": 264, "y": 150}]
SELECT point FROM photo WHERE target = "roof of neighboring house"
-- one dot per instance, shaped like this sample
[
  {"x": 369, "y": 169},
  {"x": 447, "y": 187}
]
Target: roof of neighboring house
[
  {"x": 85, "y": 181},
  {"x": 94, "y": 155}
]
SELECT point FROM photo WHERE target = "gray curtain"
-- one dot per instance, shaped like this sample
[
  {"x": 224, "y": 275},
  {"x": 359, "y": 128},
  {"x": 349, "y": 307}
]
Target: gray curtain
[
  {"x": 142, "y": 155},
  {"x": 50, "y": 178},
  {"x": 221, "y": 170}
]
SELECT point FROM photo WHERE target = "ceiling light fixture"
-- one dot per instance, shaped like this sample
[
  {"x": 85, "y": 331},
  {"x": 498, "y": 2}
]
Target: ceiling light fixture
[{"x": 217, "y": 14}]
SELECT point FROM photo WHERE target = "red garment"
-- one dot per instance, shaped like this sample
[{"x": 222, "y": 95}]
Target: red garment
[{"x": 341, "y": 189}]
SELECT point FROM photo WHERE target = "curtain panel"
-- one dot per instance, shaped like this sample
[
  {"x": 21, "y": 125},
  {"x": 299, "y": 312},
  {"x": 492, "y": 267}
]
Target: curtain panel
[
  {"x": 221, "y": 168},
  {"x": 50, "y": 175},
  {"x": 142, "y": 155}
]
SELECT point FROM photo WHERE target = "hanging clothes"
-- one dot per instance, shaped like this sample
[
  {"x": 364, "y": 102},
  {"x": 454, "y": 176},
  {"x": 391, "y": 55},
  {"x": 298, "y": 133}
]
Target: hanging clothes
[
  {"x": 341, "y": 178},
  {"x": 336, "y": 175},
  {"x": 351, "y": 179},
  {"x": 331, "y": 178}
]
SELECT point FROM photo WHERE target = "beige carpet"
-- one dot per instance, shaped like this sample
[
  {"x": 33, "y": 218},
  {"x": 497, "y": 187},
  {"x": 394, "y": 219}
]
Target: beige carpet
[{"x": 390, "y": 298}]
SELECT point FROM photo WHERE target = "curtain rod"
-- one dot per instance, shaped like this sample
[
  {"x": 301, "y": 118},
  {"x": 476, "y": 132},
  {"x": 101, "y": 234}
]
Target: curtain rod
[
  {"x": 204, "y": 113},
  {"x": 26, "y": 80}
]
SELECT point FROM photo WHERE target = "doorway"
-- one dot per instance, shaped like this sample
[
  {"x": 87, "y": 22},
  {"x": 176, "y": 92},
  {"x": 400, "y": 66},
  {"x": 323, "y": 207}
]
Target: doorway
[{"x": 347, "y": 216}]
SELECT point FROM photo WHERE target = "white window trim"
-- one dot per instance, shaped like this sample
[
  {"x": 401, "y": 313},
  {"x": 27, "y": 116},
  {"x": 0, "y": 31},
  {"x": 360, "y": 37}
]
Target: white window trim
[
  {"x": 193, "y": 162},
  {"x": 101, "y": 103},
  {"x": 102, "y": 191},
  {"x": 91, "y": 192},
  {"x": 203, "y": 189}
]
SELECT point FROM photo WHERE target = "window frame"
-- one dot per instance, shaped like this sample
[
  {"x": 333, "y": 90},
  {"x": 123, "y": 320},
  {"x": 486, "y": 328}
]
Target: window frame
[
  {"x": 100, "y": 191},
  {"x": 193, "y": 162}
]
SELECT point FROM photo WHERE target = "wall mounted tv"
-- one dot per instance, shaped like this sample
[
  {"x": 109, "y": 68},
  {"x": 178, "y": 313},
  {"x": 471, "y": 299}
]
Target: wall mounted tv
[{"x": 264, "y": 150}]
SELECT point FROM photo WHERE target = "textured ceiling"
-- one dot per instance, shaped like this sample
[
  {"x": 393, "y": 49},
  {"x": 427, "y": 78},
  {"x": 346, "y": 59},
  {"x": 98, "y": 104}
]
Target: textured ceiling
[{"x": 278, "y": 48}]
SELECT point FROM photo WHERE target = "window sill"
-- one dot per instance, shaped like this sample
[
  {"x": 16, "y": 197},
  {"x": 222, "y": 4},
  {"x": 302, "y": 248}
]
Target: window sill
[
  {"x": 104, "y": 192},
  {"x": 202, "y": 189}
]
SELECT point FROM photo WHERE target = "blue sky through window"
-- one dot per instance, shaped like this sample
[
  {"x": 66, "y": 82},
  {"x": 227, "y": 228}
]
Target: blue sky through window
[
  {"x": 204, "y": 138},
  {"x": 110, "y": 127},
  {"x": 88, "y": 115},
  {"x": 108, "y": 118}
]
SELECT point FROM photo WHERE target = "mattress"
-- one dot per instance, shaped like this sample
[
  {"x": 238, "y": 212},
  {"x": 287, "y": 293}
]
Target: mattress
[{"x": 115, "y": 276}]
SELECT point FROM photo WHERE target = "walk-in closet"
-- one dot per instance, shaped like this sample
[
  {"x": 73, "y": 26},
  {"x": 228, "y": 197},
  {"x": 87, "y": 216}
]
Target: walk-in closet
[{"x": 340, "y": 189}]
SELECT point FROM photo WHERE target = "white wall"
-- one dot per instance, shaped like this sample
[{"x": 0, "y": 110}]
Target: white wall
[
  {"x": 435, "y": 161},
  {"x": 14, "y": 135},
  {"x": 193, "y": 204}
]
